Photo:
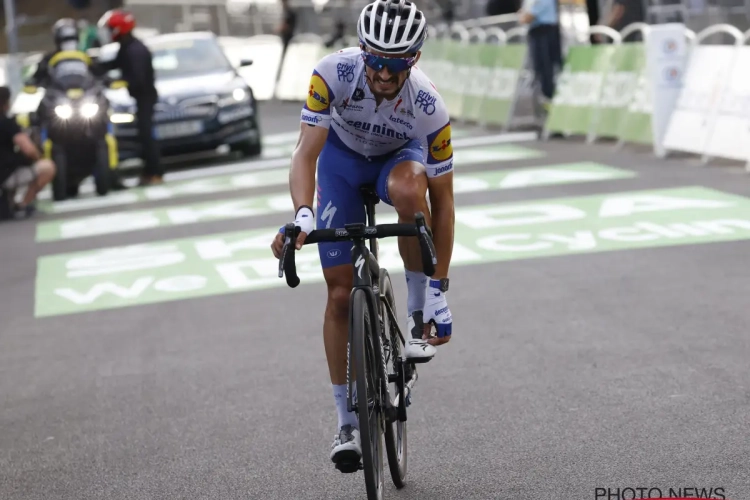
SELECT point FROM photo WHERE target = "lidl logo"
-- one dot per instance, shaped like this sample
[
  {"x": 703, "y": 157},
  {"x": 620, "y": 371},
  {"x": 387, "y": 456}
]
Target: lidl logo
[
  {"x": 441, "y": 148},
  {"x": 317, "y": 95}
]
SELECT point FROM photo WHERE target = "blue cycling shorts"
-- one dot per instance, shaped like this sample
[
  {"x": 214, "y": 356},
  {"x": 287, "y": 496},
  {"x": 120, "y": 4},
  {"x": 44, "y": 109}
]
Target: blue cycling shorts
[{"x": 341, "y": 173}]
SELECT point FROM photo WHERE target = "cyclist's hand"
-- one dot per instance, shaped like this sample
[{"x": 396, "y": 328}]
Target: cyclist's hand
[
  {"x": 437, "y": 314},
  {"x": 305, "y": 220}
]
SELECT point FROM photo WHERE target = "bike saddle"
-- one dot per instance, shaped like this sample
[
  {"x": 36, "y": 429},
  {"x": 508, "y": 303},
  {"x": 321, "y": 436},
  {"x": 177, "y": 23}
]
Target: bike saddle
[{"x": 370, "y": 194}]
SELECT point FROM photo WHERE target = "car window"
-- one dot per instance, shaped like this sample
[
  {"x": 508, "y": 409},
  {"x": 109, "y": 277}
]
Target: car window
[{"x": 180, "y": 58}]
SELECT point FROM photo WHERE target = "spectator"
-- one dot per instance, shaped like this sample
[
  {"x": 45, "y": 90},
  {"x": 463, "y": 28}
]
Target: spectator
[
  {"x": 286, "y": 28},
  {"x": 21, "y": 164},
  {"x": 544, "y": 41},
  {"x": 623, "y": 13}
]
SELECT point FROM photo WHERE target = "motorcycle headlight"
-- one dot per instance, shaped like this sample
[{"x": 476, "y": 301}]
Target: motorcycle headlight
[
  {"x": 64, "y": 111},
  {"x": 89, "y": 110}
]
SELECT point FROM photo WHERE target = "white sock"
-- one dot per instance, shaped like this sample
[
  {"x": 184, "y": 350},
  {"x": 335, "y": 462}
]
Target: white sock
[
  {"x": 345, "y": 417},
  {"x": 416, "y": 283}
]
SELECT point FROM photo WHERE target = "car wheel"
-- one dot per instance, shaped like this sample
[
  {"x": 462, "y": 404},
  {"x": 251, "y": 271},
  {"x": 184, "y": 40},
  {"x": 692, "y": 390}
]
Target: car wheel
[{"x": 249, "y": 148}]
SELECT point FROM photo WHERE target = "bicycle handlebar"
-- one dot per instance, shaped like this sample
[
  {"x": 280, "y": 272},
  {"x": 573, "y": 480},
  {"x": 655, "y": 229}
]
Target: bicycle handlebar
[{"x": 288, "y": 267}]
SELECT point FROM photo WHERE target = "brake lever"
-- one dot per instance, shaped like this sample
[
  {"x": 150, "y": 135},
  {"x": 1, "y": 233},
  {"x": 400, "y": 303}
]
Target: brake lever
[{"x": 290, "y": 239}]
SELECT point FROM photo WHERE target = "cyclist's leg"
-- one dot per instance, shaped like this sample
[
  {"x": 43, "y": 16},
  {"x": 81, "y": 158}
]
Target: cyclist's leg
[
  {"x": 339, "y": 202},
  {"x": 403, "y": 184}
]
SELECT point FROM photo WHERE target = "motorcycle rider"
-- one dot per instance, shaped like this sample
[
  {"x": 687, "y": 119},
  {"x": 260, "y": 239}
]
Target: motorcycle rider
[
  {"x": 65, "y": 34},
  {"x": 134, "y": 60}
]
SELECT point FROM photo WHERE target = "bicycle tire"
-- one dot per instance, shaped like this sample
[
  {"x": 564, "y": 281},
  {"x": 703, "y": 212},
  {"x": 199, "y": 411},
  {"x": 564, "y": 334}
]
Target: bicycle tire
[
  {"x": 367, "y": 367},
  {"x": 395, "y": 432}
]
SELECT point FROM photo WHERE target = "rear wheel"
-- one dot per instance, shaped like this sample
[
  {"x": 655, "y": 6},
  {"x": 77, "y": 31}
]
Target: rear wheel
[
  {"x": 60, "y": 182},
  {"x": 365, "y": 348},
  {"x": 393, "y": 348}
]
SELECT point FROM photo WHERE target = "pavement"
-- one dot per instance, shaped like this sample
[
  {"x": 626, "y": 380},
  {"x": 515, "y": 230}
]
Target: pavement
[{"x": 148, "y": 350}]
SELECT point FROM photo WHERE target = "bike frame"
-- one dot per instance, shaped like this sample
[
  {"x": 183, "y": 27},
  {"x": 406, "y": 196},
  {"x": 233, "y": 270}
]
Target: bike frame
[{"x": 367, "y": 273}]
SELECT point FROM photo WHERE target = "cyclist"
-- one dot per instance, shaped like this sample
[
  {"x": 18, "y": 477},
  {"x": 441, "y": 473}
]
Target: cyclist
[{"x": 373, "y": 117}]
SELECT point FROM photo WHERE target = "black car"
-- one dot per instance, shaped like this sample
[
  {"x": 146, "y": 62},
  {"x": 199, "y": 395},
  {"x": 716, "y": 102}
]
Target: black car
[{"x": 203, "y": 102}]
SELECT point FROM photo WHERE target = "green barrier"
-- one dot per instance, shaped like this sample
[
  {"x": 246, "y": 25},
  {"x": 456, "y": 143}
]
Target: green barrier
[
  {"x": 636, "y": 123},
  {"x": 452, "y": 80},
  {"x": 617, "y": 92},
  {"x": 480, "y": 59},
  {"x": 507, "y": 62},
  {"x": 579, "y": 88}
]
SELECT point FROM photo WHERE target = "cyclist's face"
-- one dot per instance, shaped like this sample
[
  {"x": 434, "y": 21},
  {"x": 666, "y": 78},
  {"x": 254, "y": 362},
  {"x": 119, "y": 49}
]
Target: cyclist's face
[{"x": 387, "y": 74}]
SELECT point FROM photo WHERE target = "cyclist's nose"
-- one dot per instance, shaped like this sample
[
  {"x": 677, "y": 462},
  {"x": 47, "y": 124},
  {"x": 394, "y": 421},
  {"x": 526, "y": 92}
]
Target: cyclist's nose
[{"x": 385, "y": 73}]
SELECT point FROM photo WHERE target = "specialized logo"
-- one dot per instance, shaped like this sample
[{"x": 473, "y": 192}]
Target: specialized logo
[
  {"x": 317, "y": 94},
  {"x": 441, "y": 148},
  {"x": 426, "y": 101},
  {"x": 395, "y": 119},
  {"x": 358, "y": 95},
  {"x": 359, "y": 264},
  {"x": 327, "y": 216},
  {"x": 346, "y": 72}
]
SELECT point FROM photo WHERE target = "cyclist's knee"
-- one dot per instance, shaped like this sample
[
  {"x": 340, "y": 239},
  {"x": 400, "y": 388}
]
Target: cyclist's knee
[
  {"x": 407, "y": 187},
  {"x": 339, "y": 281}
]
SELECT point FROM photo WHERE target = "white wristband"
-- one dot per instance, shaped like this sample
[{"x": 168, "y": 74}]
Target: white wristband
[{"x": 305, "y": 220}]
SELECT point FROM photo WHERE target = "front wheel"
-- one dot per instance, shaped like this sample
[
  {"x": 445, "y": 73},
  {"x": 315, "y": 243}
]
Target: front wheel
[
  {"x": 366, "y": 353},
  {"x": 60, "y": 182},
  {"x": 393, "y": 347},
  {"x": 102, "y": 173}
]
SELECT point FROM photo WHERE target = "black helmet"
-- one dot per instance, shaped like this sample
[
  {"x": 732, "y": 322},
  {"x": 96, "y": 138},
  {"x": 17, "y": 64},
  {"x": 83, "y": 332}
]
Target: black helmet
[{"x": 65, "y": 30}]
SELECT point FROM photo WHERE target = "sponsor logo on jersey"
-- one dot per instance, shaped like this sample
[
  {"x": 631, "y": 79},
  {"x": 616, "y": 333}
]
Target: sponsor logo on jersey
[
  {"x": 395, "y": 119},
  {"x": 317, "y": 95},
  {"x": 311, "y": 119},
  {"x": 407, "y": 112},
  {"x": 426, "y": 101},
  {"x": 381, "y": 130},
  {"x": 444, "y": 168},
  {"x": 358, "y": 95},
  {"x": 441, "y": 148},
  {"x": 398, "y": 104},
  {"x": 352, "y": 107},
  {"x": 346, "y": 72}
]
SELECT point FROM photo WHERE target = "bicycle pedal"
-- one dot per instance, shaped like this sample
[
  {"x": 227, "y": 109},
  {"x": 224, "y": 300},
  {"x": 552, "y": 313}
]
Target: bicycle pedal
[{"x": 349, "y": 467}]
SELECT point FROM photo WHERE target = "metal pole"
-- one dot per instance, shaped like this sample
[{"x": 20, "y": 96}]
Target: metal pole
[{"x": 12, "y": 69}]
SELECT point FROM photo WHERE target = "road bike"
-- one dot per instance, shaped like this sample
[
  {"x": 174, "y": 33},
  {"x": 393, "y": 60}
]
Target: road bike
[{"x": 376, "y": 343}]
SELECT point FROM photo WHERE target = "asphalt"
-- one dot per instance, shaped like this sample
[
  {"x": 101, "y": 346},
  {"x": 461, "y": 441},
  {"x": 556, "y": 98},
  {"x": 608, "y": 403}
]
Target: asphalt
[{"x": 624, "y": 369}]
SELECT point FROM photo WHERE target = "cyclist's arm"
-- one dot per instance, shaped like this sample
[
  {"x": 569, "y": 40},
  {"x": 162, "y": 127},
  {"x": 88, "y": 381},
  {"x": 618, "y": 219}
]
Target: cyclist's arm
[
  {"x": 443, "y": 220},
  {"x": 439, "y": 166},
  {"x": 304, "y": 162},
  {"x": 315, "y": 120}
]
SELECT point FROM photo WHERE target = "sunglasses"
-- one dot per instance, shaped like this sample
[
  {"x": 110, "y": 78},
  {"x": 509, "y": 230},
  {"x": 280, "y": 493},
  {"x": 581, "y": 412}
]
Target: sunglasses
[{"x": 394, "y": 64}]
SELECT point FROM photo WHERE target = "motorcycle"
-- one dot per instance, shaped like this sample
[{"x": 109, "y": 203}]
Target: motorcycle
[{"x": 76, "y": 133}]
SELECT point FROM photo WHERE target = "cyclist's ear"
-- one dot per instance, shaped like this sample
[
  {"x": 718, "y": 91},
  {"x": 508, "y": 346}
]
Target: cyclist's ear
[{"x": 419, "y": 54}]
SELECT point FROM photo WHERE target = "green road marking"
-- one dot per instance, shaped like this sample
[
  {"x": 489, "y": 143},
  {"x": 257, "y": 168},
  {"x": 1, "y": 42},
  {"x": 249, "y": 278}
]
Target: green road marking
[
  {"x": 263, "y": 178},
  {"x": 241, "y": 261},
  {"x": 120, "y": 222}
]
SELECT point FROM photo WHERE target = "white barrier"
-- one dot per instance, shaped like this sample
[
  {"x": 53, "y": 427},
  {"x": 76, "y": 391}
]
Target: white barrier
[
  {"x": 302, "y": 54},
  {"x": 730, "y": 137},
  {"x": 708, "y": 71},
  {"x": 265, "y": 51}
]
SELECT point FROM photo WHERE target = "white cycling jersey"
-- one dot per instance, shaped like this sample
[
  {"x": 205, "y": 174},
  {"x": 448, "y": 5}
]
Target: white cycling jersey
[{"x": 339, "y": 96}]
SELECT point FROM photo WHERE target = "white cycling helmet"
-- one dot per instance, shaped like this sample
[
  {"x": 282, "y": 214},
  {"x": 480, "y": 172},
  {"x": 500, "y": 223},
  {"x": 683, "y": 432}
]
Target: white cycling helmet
[{"x": 392, "y": 26}]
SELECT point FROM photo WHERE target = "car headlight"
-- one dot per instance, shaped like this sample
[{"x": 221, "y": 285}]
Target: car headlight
[
  {"x": 237, "y": 96},
  {"x": 89, "y": 110},
  {"x": 64, "y": 111}
]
